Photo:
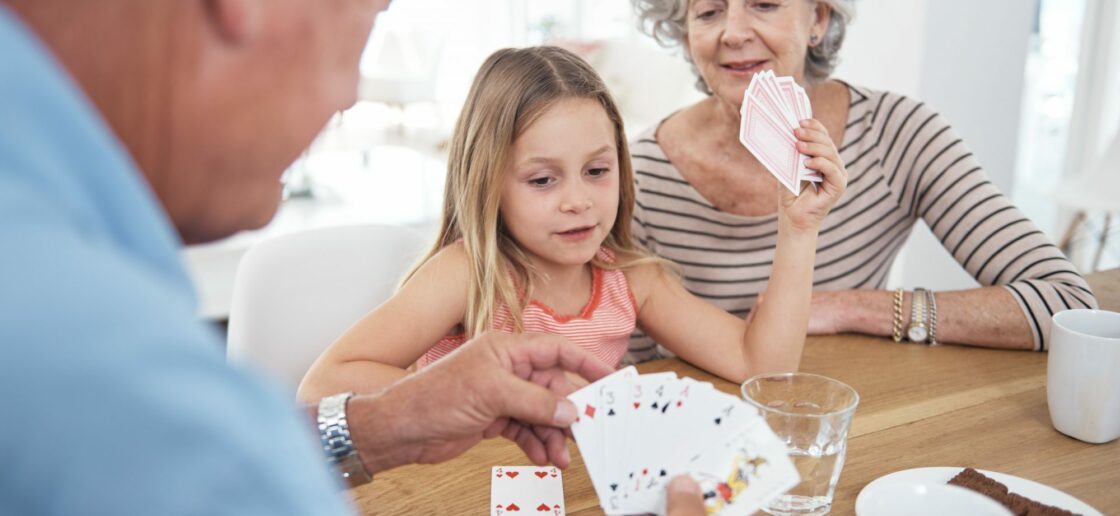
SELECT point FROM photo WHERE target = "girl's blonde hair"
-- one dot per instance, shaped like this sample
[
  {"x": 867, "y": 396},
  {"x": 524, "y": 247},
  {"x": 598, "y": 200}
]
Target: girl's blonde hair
[{"x": 511, "y": 90}]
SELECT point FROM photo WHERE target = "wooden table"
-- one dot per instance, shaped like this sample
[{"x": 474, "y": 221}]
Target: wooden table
[{"x": 920, "y": 406}]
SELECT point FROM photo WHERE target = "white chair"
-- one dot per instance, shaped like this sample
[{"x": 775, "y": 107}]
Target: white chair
[
  {"x": 295, "y": 294},
  {"x": 1093, "y": 191}
]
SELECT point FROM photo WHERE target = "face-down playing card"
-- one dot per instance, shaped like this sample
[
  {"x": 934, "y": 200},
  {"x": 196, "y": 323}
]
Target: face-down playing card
[{"x": 772, "y": 109}]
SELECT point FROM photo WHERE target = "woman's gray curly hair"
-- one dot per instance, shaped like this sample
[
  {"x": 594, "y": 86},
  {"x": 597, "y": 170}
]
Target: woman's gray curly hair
[{"x": 665, "y": 21}]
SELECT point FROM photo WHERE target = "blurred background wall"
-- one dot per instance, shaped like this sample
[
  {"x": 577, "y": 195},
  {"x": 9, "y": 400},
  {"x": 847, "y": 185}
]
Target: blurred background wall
[{"x": 1033, "y": 86}]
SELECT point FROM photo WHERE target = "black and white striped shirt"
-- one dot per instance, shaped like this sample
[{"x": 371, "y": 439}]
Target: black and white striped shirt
[{"x": 904, "y": 162}]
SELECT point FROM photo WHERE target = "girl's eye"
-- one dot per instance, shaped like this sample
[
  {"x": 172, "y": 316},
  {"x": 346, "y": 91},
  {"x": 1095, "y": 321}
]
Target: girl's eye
[
  {"x": 766, "y": 6},
  {"x": 540, "y": 181},
  {"x": 598, "y": 172}
]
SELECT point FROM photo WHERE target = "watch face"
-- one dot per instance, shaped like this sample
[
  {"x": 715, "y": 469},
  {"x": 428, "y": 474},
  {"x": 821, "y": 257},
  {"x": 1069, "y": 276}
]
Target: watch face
[{"x": 916, "y": 334}]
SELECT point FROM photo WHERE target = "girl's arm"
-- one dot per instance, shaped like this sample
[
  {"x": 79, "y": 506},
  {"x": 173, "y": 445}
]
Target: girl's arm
[
  {"x": 376, "y": 351},
  {"x": 722, "y": 344}
]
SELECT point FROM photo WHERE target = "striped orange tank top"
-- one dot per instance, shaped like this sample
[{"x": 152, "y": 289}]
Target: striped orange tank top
[{"x": 603, "y": 327}]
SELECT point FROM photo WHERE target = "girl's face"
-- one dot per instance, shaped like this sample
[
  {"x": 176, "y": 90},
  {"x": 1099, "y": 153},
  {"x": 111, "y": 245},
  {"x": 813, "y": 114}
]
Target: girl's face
[
  {"x": 560, "y": 193},
  {"x": 731, "y": 40}
]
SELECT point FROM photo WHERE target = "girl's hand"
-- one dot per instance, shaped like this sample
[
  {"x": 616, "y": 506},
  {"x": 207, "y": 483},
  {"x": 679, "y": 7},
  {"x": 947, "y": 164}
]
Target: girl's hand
[{"x": 807, "y": 210}]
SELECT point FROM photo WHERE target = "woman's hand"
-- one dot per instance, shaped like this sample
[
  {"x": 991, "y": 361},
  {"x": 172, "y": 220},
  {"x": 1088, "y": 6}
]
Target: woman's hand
[{"x": 807, "y": 210}]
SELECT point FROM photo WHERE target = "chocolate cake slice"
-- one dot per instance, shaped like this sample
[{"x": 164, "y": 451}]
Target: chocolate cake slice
[{"x": 1018, "y": 504}]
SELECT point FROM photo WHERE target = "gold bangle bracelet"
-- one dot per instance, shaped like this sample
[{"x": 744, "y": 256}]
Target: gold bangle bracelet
[
  {"x": 898, "y": 314},
  {"x": 932, "y": 302}
]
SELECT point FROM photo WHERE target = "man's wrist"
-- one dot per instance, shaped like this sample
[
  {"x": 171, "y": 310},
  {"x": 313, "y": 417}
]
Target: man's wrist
[
  {"x": 337, "y": 442},
  {"x": 378, "y": 437}
]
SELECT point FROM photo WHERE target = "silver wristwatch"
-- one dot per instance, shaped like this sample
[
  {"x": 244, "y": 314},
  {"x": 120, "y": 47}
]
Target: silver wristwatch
[
  {"x": 334, "y": 434},
  {"x": 919, "y": 329}
]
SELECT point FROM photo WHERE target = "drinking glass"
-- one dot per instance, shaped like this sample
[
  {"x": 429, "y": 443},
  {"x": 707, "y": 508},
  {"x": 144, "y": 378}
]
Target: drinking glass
[{"x": 812, "y": 413}]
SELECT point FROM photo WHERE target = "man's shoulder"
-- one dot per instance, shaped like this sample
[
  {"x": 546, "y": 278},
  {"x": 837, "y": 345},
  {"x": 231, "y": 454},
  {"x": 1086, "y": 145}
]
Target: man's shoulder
[
  {"x": 134, "y": 404},
  {"x": 72, "y": 300},
  {"x": 51, "y": 264}
]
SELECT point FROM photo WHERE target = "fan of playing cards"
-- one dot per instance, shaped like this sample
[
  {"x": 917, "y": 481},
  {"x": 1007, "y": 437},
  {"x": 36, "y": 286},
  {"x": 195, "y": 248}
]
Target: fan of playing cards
[
  {"x": 637, "y": 432},
  {"x": 772, "y": 108}
]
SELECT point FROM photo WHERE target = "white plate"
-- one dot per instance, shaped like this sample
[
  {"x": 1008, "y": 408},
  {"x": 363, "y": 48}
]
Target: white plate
[
  {"x": 925, "y": 499},
  {"x": 1028, "y": 488}
]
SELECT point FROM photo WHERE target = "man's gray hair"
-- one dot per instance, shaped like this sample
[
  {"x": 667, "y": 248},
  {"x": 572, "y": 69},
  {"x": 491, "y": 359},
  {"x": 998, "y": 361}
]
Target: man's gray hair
[{"x": 665, "y": 20}]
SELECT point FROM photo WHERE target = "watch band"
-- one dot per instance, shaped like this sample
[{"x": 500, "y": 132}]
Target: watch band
[
  {"x": 931, "y": 302},
  {"x": 334, "y": 435},
  {"x": 918, "y": 324},
  {"x": 898, "y": 314}
]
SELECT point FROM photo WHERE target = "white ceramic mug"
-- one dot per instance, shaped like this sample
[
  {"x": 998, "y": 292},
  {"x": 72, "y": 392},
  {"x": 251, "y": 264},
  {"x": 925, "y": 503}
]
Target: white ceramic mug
[{"x": 1083, "y": 374}]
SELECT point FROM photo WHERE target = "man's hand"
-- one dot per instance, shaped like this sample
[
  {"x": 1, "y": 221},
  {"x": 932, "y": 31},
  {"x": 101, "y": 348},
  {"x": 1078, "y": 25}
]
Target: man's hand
[
  {"x": 496, "y": 384},
  {"x": 684, "y": 498}
]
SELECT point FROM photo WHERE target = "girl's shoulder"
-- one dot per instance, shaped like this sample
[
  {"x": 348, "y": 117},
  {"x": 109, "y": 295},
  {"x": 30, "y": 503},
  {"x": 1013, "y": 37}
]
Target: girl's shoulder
[
  {"x": 447, "y": 266},
  {"x": 642, "y": 277}
]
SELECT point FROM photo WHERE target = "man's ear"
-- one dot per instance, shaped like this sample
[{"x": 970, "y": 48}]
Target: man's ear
[{"x": 235, "y": 21}]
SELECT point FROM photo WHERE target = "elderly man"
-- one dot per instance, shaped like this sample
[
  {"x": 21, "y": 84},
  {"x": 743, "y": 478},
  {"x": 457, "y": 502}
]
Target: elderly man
[{"x": 127, "y": 127}]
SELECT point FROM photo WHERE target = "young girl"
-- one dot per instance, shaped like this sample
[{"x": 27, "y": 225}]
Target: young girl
[{"x": 535, "y": 237}]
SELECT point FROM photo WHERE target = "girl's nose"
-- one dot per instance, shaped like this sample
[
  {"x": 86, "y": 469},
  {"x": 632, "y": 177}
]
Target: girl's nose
[{"x": 577, "y": 202}]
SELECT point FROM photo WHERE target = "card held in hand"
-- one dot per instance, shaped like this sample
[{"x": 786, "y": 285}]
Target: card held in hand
[
  {"x": 592, "y": 414},
  {"x": 772, "y": 109}
]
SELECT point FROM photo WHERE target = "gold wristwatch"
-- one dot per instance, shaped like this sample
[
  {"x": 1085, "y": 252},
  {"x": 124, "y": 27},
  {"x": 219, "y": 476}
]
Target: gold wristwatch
[{"x": 919, "y": 328}]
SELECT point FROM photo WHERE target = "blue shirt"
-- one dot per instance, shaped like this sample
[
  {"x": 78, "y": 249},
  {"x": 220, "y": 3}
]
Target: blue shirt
[{"x": 114, "y": 398}]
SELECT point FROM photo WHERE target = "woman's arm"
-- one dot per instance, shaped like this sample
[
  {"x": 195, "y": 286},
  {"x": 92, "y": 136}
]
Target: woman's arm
[
  {"x": 375, "y": 351},
  {"x": 987, "y": 316},
  {"x": 1025, "y": 278}
]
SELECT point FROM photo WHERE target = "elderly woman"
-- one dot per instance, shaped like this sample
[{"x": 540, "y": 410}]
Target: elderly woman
[{"x": 708, "y": 204}]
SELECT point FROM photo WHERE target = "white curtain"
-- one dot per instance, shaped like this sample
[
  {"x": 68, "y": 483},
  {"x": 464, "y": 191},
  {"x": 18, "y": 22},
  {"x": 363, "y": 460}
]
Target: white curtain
[{"x": 1096, "y": 109}]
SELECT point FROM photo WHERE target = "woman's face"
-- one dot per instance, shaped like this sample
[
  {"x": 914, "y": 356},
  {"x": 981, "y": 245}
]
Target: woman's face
[{"x": 731, "y": 40}]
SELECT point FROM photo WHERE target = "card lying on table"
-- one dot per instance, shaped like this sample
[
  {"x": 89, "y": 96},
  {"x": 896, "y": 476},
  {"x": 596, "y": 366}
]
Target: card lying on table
[
  {"x": 772, "y": 108},
  {"x": 636, "y": 432},
  {"x": 526, "y": 490}
]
